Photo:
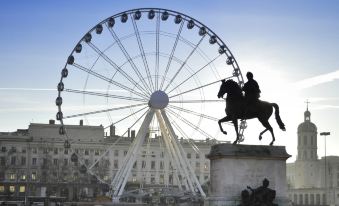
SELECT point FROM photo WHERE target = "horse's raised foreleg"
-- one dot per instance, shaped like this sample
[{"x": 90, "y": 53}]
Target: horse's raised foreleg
[
  {"x": 225, "y": 119},
  {"x": 268, "y": 127},
  {"x": 235, "y": 123}
]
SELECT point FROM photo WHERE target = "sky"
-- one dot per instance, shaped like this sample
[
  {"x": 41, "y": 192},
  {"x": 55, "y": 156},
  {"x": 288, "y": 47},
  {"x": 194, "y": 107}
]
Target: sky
[{"x": 292, "y": 48}]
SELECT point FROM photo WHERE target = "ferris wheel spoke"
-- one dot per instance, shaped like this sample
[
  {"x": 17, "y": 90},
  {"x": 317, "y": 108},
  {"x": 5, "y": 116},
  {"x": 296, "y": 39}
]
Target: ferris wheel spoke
[
  {"x": 182, "y": 132},
  {"x": 109, "y": 80},
  {"x": 122, "y": 119},
  {"x": 128, "y": 57},
  {"x": 108, "y": 60},
  {"x": 197, "y": 114},
  {"x": 188, "y": 123},
  {"x": 197, "y": 101},
  {"x": 184, "y": 63},
  {"x": 104, "y": 95},
  {"x": 157, "y": 44},
  {"x": 194, "y": 113},
  {"x": 135, "y": 122},
  {"x": 195, "y": 73},
  {"x": 172, "y": 54},
  {"x": 104, "y": 110},
  {"x": 142, "y": 51},
  {"x": 116, "y": 142},
  {"x": 200, "y": 87}
]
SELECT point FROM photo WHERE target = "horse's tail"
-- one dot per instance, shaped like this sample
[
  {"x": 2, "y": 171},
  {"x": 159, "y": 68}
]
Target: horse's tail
[{"x": 277, "y": 117}]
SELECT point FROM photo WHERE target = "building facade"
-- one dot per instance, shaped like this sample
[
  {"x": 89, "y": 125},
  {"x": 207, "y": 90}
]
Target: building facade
[
  {"x": 35, "y": 162},
  {"x": 312, "y": 181}
]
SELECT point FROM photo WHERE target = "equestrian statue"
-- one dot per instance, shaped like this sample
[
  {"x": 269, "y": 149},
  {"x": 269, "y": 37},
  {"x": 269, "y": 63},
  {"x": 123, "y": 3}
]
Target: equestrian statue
[{"x": 248, "y": 106}]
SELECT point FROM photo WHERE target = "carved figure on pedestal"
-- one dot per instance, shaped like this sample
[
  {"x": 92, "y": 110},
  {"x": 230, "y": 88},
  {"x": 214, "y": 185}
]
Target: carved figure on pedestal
[
  {"x": 240, "y": 107},
  {"x": 261, "y": 196},
  {"x": 245, "y": 198}
]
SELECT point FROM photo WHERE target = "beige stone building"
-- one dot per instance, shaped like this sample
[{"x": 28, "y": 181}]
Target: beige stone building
[{"x": 35, "y": 162}]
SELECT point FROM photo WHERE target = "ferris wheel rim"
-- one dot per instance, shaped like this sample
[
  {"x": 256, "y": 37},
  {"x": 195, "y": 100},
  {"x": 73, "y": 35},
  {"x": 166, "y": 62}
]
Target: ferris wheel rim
[
  {"x": 187, "y": 18},
  {"x": 161, "y": 9},
  {"x": 197, "y": 23}
]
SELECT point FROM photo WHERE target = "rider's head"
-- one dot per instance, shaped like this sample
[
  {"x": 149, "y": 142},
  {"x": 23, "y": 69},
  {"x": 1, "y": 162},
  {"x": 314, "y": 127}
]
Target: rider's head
[{"x": 249, "y": 75}]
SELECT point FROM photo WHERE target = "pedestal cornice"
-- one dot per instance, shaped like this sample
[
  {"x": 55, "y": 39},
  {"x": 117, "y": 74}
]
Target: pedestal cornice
[{"x": 247, "y": 152}]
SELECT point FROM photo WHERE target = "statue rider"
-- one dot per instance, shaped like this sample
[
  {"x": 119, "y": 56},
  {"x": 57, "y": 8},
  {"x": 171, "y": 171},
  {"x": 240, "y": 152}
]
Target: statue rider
[{"x": 252, "y": 91}]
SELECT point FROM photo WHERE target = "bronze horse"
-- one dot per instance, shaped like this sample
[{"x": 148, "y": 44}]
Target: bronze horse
[{"x": 236, "y": 108}]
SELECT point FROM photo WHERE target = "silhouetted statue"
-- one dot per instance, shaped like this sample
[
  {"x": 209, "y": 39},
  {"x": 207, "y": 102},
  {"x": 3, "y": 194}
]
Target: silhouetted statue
[
  {"x": 236, "y": 108},
  {"x": 251, "y": 89},
  {"x": 252, "y": 92},
  {"x": 261, "y": 196}
]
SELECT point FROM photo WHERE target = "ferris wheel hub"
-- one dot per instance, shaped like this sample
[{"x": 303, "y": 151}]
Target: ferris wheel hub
[{"x": 159, "y": 100}]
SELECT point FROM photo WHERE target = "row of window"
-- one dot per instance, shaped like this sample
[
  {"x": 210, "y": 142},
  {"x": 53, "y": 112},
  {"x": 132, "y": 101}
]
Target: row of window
[
  {"x": 54, "y": 150},
  {"x": 153, "y": 165},
  {"x": 12, "y": 189},
  {"x": 13, "y": 161},
  {"x": 188, "y": 155},
  {"x": 12, "y": 149},
  {"x": 161, "y": 179},
  {"x": 16, "y": 161},
  {"x": 88, "y": 151},
  {"x": 306, "y": 199},
  {"x": 13, "y": 176}
]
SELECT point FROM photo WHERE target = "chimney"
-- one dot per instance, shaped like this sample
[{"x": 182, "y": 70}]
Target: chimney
[
  {"x": 129, "y": 133},
  {"x": 133, "y": 134},
  {"x": 81, "y": 123},
  {"x": 51, "y": 121},
  {"x": 112, "y": 130}
]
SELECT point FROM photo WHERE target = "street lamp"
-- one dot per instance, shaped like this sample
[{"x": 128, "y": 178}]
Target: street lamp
[{"x": 325, "y": 134}]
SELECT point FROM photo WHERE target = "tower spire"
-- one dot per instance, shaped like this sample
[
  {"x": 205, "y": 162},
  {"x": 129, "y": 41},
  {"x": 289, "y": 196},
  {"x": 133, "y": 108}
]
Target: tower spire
[
  {"x": 307, "y": 102},
  {"x": 307, "y": 114}
]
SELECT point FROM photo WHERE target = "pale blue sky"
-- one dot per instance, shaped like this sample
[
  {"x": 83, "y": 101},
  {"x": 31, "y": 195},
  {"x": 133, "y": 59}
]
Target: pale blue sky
[{"x": 282, "y": 42}]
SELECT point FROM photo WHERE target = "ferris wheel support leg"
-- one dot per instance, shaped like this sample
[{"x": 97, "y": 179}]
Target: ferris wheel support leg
[
  {"x": 183, "y": 158},
  {"x": 173, "y": 157},
  {"x": 124, "y": 172},
  {"x": 170, "y": 153},
  {"x": 172, "y": 141},
  {"x": 170, "y": 135},
  {"x": 115, "y": 182},
  {"x": 118, "y": 178}
]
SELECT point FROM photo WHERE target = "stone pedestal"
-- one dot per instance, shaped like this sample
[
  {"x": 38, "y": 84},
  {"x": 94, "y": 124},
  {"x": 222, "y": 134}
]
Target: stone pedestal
[{"x": 234, "y": 167}]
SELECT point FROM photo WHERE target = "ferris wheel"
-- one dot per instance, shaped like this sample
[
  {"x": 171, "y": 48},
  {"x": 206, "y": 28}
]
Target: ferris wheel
[{"x": 152, "y": 70}]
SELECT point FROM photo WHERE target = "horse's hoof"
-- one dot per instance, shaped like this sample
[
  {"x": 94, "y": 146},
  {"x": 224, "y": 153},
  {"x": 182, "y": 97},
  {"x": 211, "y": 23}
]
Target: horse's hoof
[
  {"x": 224, "y": 132},
  {"x": 235, "y": 142},
  {"x": 260, "y": 137},
  {"x": 271, "y": 144}
]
